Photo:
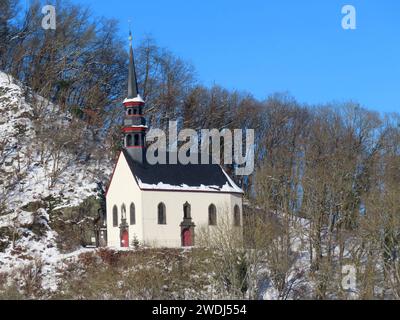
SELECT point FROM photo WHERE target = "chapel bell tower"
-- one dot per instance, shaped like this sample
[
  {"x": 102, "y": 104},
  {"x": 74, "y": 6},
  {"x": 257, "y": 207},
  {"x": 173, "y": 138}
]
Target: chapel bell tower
[{"x": 135, "y": 127}]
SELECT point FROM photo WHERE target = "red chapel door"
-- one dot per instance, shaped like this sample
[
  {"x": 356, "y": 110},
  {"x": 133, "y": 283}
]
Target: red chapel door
[
  {"x": 125, "y": 239},
  {"x": 187, "y": 238}
]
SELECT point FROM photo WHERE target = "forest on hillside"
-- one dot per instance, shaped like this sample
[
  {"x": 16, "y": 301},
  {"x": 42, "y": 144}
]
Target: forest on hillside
[{"x": 329, "y": 173}]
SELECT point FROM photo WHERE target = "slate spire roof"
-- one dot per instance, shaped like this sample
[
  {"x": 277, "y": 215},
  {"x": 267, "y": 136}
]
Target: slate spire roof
[{"x": 133, "y": 91}]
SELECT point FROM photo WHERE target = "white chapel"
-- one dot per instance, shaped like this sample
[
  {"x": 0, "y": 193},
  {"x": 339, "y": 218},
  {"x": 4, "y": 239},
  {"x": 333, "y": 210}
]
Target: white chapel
[{"x": 162, "y": 205}]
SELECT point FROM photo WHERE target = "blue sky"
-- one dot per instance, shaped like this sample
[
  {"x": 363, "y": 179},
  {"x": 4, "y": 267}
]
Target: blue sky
[{"x": 266, "y": 46}]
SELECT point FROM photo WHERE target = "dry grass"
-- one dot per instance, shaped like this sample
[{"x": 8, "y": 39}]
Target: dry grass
[{"x": 145, "y": 274}]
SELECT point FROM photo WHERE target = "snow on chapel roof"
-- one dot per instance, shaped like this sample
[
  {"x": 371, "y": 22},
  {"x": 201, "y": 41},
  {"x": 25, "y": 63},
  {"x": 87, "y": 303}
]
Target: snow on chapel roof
[
  {"x": 138, "y": 98},
  {"x": 179, "y": 177}
]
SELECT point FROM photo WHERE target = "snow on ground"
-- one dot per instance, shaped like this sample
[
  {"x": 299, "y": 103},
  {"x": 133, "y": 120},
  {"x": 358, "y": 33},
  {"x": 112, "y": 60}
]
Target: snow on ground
[
  {"x": 34, "y": 252},
  {"x": 22, "y": 218}
]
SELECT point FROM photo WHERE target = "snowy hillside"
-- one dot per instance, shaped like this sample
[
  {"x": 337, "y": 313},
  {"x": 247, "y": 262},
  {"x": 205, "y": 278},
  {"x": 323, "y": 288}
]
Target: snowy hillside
[
  {"x": 23, "y": 162},
  {"x": 31, "y": 169}
]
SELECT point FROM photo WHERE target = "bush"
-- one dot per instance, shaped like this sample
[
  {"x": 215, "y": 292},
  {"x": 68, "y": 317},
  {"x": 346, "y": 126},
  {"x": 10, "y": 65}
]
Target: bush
[
  {"x": 109, "y": 257},
  {"x": 75, "y": 226}
]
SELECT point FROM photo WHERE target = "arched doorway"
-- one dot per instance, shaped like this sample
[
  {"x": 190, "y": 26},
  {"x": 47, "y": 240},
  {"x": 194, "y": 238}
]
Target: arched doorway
[
  {"x": 187, "y": 239},
  {"x": 125, "y": 239},
  {"x": 187, "y": 227}
]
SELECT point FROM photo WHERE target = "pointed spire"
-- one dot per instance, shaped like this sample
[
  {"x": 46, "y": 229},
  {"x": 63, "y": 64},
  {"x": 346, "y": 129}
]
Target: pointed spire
[{"x": 133, "y": 91}]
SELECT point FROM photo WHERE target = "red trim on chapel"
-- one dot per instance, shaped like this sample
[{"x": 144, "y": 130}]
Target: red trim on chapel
[
  {"x": 134, "y": 129},
  {"x": 133, "y": 104}
]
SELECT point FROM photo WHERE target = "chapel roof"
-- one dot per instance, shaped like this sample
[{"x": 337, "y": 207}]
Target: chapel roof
[{"x": 179, "y": 177}]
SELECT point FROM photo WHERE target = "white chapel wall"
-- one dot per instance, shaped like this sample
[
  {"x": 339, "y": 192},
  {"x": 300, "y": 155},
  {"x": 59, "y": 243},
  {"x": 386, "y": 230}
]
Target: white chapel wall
[
  {"x": 169, "y": 235},
  {"x": 123, "y": 190}
]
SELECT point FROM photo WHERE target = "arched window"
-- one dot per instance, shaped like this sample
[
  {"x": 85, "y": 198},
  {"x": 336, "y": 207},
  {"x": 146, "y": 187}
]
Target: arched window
[
  {"x": 129, "y": 140},
  {"x": 212, "y": 215},
  {"x": 132, "y": 214},
  {"x": 123, "y": 212},
  {"x": 186, "y": 211},
  {"x": 162, "y": 216},
  {"x": 135, "y": 111},
  {"x": 115, "y": 216},
  {"x": 236, "y": 216},
  {"x": 136, "y": 140},
  {"x": 129, "y": 111}
]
